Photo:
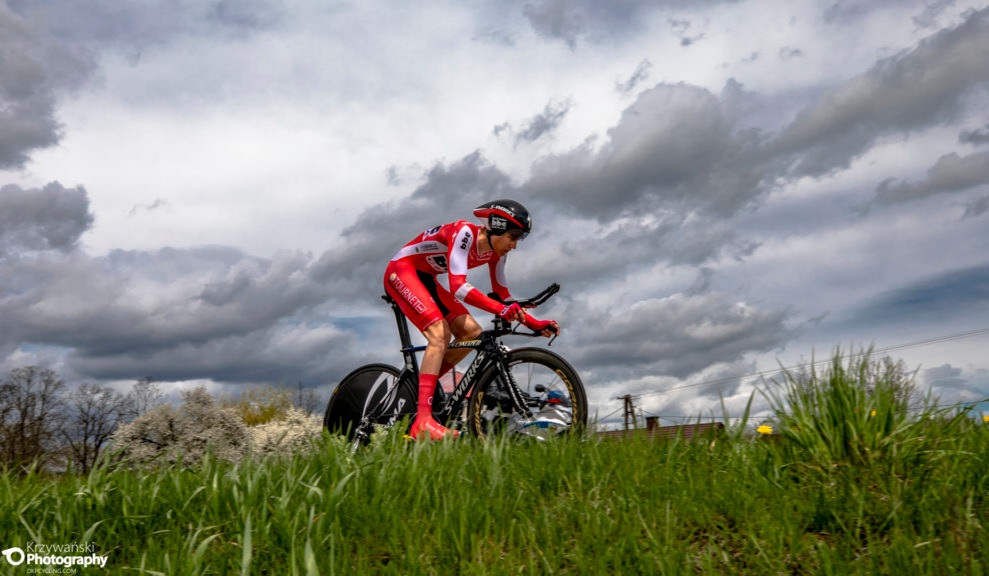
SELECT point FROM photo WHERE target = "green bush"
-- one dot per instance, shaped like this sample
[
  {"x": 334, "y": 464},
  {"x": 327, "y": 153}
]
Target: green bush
[{"x": 872, "y": 463}]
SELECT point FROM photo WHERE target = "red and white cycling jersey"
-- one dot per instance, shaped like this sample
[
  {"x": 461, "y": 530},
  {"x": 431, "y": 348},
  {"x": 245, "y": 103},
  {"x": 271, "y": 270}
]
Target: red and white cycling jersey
[{"x": 452, "y": 249}]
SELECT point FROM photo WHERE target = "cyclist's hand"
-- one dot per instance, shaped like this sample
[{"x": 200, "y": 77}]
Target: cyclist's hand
[
  {"x": 546, "y": 327},
  {"x": 512, "y": 313}
]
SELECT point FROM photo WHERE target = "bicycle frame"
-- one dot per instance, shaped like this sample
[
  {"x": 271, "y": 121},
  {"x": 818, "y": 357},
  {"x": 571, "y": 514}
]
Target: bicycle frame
[
  {"x": 488, "y": 351},
  {"x": 491, "y": 359}
]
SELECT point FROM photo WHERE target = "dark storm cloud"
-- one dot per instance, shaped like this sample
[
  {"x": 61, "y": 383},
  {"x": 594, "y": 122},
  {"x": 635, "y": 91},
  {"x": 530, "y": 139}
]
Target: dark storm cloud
[
  {"x": 976, "y": 207},
  {"x": 951, "y": 173},
  {"x": 544, "y": 123},
  {"x": 131, "y": 27},
  {"x": 942, "y": 375},
  {"x": 675, "y": 149},
  {"x": 930, "y": 15},
  {"x": 280, "y": 353},
  {"x": 247, "y": 15},
  {"x": 597, "y": 20},
  {"x": 916, "y": 89},
  {"x": 684, "y": 30},
  {"x": 50, "y": 218},
  {"x": 636, "y": 79},
  {"x": 679, "y": 154},
  {"x": 50, "y": 47},
  {"x": 114, "y": 314},
  {"x": 679, "y": 335},
  {"x": 952, "y": 295},
  {"x": 139, "y": 305},
  {"x": 595, "y": 257},
  {"x": 34, "y": 68},
  {"x": 557, "y": 19},
  {"x": 976, "y": 137},
  {"x": 207, "y": 312},
  {"x": 788, "y": 53}
]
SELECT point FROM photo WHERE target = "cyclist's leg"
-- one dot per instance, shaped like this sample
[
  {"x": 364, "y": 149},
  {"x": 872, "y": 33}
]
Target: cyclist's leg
[
  {"x": 462, "y": 324},
  {"x": 464, "y": 327},
  {"x": 414, "y": 292},
  {"x": 437, "y": 335}
]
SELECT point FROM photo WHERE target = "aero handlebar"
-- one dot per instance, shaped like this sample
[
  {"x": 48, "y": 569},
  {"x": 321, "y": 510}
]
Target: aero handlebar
[{"x": 531, "y": 302}]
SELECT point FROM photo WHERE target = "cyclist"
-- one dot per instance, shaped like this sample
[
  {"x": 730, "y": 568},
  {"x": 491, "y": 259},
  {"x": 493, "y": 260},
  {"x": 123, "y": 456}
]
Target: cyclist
[{"x": 438, "y": 311}]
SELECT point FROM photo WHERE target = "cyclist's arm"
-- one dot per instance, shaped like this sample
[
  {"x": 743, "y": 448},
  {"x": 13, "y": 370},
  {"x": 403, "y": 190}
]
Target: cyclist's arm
[
  {"x": 498, "y": 284},
  {"x": 462, "y": 289}
]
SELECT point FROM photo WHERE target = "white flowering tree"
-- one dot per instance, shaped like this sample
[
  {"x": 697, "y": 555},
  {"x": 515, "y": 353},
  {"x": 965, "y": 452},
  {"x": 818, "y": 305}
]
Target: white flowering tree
[{"x": 166, "y": 434}]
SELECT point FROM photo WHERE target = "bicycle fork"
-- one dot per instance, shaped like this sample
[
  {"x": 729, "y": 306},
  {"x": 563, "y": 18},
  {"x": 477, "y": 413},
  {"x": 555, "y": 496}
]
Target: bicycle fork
[{"x": 521, "y": 407}]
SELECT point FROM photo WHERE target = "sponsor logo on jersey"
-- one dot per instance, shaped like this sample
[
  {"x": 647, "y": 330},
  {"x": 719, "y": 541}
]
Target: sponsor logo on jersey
[
  {"x": 428, "y": 248},
  {"x": 406, "y": 293},
  {"x": 466, "y": 241}
]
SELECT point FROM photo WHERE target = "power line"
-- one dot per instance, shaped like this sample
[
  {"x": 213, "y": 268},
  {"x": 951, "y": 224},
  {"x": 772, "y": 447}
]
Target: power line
[{"x": 915, "y": 344}]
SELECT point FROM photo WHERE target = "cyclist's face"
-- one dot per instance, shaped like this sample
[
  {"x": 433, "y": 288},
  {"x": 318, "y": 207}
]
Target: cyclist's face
[{"x": 503, "y": 243}]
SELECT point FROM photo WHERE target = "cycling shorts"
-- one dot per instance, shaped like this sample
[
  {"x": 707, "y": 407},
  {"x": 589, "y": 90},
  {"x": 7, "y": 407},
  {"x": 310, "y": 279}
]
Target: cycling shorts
[{"x": 423, "y": 301}]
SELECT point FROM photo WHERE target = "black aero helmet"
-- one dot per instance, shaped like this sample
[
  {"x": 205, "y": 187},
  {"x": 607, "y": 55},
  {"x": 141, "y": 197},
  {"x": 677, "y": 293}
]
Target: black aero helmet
[{"x": 501, "y": 216}]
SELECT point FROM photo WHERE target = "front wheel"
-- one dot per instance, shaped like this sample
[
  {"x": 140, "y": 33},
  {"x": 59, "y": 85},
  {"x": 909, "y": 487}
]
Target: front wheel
[
  {"x": 374, "y": 392},
  {"x": 550, "y": 386}
]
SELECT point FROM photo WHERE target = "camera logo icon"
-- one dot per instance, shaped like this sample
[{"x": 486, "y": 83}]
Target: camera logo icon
[{"x": 11, "y": 553}]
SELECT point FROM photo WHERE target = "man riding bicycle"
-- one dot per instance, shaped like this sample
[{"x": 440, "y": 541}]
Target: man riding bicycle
[{"x": 438, "y": 311}]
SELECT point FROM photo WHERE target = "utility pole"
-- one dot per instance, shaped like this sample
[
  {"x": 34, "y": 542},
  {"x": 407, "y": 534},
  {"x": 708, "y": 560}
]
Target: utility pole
[{"x": 630, "y": 412}]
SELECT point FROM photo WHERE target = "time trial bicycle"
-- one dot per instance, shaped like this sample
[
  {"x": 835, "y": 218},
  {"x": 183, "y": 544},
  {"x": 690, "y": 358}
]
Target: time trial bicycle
[{"x": 527, "y": 391}]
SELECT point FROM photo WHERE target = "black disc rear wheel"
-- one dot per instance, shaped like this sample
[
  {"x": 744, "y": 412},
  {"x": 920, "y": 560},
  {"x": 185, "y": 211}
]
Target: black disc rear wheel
[{"x": 373, "y": 391}]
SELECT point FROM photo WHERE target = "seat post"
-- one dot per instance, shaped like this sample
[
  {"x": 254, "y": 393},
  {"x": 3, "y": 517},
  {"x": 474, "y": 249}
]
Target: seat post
[{"x": 401, "y": 321}]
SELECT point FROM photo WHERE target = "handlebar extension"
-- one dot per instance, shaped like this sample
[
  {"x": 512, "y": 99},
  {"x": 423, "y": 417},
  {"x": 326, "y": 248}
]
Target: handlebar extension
[{"x": 531, "y": 302}]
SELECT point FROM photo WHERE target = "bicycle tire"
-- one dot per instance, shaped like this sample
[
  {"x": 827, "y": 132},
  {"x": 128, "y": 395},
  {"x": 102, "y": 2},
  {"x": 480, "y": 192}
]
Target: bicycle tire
[
  {"x": 361, "y": 392},
  {"x": 559, "y": 408}
]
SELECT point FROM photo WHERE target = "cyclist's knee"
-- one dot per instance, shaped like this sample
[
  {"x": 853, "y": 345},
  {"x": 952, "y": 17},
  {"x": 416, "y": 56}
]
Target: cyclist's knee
[
  {"x": 438, "y": 335},
  {"x": 466, "y": 328},
  {"x": 472, "y": 331}
]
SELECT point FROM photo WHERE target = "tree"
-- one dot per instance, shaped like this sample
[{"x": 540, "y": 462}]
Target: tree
[
  {"x": 30, "y": 402},
  {"x": 92, "y": 415},
  {"x": 145, "y": 396},
  {"x": 259, "y": 404},
  {"x": 308, "y": 400},
  {"x": 168, "y": 435}
]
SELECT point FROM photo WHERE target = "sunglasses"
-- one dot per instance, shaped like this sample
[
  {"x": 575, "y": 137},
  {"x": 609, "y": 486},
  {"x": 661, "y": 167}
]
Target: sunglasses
[{"x": 517, "y": 234}]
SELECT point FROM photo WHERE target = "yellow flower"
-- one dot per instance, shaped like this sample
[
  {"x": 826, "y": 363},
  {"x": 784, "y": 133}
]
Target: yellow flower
[
  {"x": 764, "y": 429},
  {"x": 873, "y": 413},
  {"x": 985, "y": 419}
]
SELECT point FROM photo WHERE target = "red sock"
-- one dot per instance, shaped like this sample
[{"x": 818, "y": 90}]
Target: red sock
[
  {"x": 427, "y": 387},
  {"x": 425, "y": 424}
]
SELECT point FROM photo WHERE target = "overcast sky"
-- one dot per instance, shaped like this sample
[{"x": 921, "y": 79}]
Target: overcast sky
[{"x": 208, "y": 191}]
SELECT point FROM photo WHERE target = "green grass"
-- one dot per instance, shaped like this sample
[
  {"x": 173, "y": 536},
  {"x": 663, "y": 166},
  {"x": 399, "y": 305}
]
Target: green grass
[{"x": 837, "y": 492}]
